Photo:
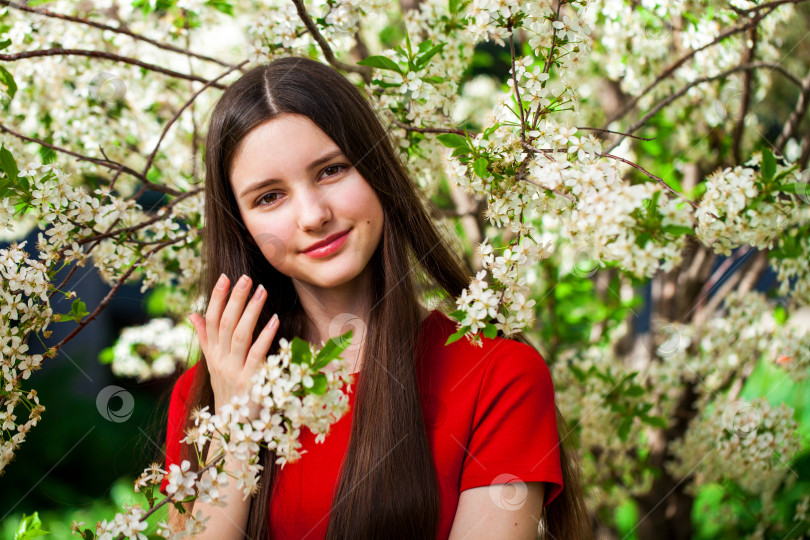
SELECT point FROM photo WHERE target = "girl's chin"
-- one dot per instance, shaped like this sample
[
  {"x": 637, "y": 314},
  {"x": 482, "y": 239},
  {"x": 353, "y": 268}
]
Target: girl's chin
[{"x": 328, "y": 279}]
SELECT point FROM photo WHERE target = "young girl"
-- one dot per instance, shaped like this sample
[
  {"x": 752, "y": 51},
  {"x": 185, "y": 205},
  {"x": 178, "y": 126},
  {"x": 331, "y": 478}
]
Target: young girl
[{"x": 306, "y": 199}]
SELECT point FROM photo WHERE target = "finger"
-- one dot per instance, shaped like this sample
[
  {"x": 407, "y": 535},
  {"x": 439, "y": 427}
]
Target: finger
[
  {"x": 198, "y": 323},
  {"x": 258, "y": 352},
  {"x": 232, "y": 313},
  {"x": 243, "y": 333},
  {"x": 214, "y": 311}
]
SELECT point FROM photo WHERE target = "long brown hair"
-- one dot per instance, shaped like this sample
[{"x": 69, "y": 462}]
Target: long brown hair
[{"x": 388, "y": 486}]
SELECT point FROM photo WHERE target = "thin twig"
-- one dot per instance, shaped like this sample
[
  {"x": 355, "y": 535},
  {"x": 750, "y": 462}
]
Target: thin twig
[
  {"x": 432, "y": 129},
  {"x": 651, "y": 175},
  {"x": 58, "y": 51},
  {"x": 792, "y": 123},
  {"x": 672, "y": 97},
  {"x": 171, "y": 122},
  {"x": 364, "y": 71},
  {"x": 118, "y": 30},
  {"x": 106, "y": 300},
  {"x": 765, "y": 6},
  {"x": 142, "y": 224},
  {"x": 101, "y": 162},
  {"x": 748, "y": 77},
  {"x": 681, "y": 61},
  {"x": 602, "y": 130},
  {"x": 514, "y": 81}
]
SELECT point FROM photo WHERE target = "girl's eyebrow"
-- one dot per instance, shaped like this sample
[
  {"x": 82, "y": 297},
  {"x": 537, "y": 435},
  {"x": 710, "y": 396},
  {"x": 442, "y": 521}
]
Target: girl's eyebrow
[{"x": 271, "y": 181}]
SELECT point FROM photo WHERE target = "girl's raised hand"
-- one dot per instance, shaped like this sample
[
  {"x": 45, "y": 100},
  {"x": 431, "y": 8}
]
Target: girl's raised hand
[{"x": 225, "y": 333}]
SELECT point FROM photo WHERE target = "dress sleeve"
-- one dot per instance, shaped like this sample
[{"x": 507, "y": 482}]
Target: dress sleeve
[
  {"x": 514, "y": 431},
  {"x": 174, "y": 425}
]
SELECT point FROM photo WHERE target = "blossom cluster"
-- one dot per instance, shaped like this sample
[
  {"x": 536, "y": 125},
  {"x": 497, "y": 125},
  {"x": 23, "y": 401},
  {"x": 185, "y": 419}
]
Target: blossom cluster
[
  {"x": 154, "y": 349},
  {"x": 25, "y": 311},
  {"x": 747, "y": 442},
  {"x": 298, "y": 387},
  {"x": 726, "y": 216}
]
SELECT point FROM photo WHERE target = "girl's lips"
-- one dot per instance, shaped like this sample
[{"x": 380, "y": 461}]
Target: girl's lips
[{"x": 329, "y": 248}]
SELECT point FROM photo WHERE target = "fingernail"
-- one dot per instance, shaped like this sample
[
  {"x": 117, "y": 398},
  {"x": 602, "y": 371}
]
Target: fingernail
[
  {"x": 221, "y": 281},
  {"x": 273, "y": 319},
  {"x": 259, "y": 292},
  {"x": 243, "y": 282}
]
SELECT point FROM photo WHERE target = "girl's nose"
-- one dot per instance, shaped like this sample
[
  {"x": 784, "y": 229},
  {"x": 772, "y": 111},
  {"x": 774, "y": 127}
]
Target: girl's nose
[{"x": 314, "y": 211}]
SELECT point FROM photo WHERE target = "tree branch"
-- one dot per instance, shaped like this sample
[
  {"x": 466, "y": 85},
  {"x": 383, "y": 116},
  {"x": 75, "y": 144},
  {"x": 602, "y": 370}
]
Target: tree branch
[
  {"x": 119, "y": 30},
  {"x": 739, "y": 128},
  {"x": 364, "y": 71},
  {"x": 171, "y": 122},
  {"x": 58, "y": 51},
  {"x": 672, "y": 97},
  {"x": 681, "y": 61},
  {"x": 792, "y": 123},
  {"x": 102, "y": 162},
  {"x": 106, "y": 300}
]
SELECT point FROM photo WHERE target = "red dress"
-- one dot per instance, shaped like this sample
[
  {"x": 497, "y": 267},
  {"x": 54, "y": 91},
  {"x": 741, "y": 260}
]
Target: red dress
[{"x": 489, "y": 413}]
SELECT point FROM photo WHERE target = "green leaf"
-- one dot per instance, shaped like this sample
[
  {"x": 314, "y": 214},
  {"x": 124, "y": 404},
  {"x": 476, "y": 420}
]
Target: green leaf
[
  {"x": 799, "y": 188},
  {"x": 459, "y": 315},
  {"x": 319, "y": 384},
  {"x": 107, "y": 355},
  {"x": 78, "y": 310},
  {"x": 380, "y": 62},
  {"x": 480, "y": 167},
  {"x": 490, "y": 331},
  {"x": 453, "y": 140},
  {"x": 578, "y": 373},
  {"x": 8, "y": 163},
  {"x": 425, "y": 58},
  {"x": 222, "y": 6},
  {"x": 677, "y": 230},
  {"x": 435, "y": 79},
  {"x": 424, "y": 46},
  {"x": 7, "y": 79},
  {"x": 768, "y": 166},
  {"x": 332, "y": 349},
  {"x": 634, "y": 390},
  {"x": 656, "y": 421},
  {"x": 29, "y": 527},
  {"x": 624, "y": 428},
  {"x": 4, "y": 44},
  {"x": 490, "y": 130},
  {"x": 458, "y": 335},
  {"x": 780, "y": 314},
  {"x": 301, "y": 353}
]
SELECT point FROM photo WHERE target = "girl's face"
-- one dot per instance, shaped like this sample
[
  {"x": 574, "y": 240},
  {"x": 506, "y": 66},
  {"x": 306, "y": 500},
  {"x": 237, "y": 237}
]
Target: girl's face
[{"x": 310, "y": 212}]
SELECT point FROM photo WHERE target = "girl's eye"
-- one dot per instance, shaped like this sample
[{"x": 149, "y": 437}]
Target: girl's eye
[
  {"x": 264, "y": 201},
  {"x": 332, "y": 170}
]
